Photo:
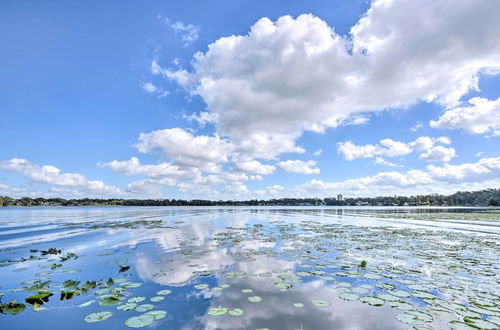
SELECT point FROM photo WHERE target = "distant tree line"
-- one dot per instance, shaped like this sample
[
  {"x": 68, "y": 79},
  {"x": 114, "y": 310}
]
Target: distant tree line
[{"x": 488, "y": 197}]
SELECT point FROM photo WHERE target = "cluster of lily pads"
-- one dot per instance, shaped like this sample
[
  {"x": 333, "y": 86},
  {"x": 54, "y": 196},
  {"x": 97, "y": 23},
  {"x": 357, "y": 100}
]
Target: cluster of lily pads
[
  {"x": 108, "y": 293},
  {"x": 429, "y": 276}
]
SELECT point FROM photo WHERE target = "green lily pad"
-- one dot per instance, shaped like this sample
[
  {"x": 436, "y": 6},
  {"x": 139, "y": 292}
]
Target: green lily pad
[
  {"x": 320, "y": 303},
  {"x": 247, "y": 290},
  {"x": 128, "y": 306},
  {"x": 349, "y": 296},
  {"x": 140, "y": 321},
  {"x": 201, "y": 286},
  {"x": 283, "y": 286},
  {"x": 158, "y": 315},
  {"x": 216, "y": 311},
  {"x": 164, "y": 292},
  {"x": 137, "y": 299},
  {"x": 88, "y": 303},
  {"x": 372, "y": 301},
  {"x": 144, "y": 308},
  {"x": 12, "y": 308},
  {"x": 298, "y": 305},
  {"x": 236, "y": 312},
  {"x": 254, "y": 299},
  {"x": 97, "y": 317},
  {"x": 109, "y": 301},
  {"x": 157, "y": 298}
]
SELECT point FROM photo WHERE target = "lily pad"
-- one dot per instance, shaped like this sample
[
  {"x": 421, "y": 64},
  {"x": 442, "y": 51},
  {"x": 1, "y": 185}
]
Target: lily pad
[
  {"x": 236, "y": 312},
  {"x": 97, "y": 316},
  {"x": 164, "y": 292},
  {"x": 254, "y": 299},
  {"x": 157, "y": 298},
  {"x": 349, "y": 296},
  {"x": 158, "y": 315},
  {"x": 140, "y": 321},
  {"x": 128, "y": 306},
  {"x": 216, "y": 311},
  {"x": 298, "y": 305},
  {"x": 372, "y": 301},
  {"x": 144, "y": 308},
  {"x": 201, "y": 286},
  {"x": 88, "y": 303},
  {"x": 109, "y": 301},
  {"x": 320, "y": 303},
  {"x": 137, "y": 299}
]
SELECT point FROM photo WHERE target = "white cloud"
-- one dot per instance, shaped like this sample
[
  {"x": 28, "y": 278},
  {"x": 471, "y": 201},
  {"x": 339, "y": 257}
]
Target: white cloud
[
  {"x": 298, "y": 166},
  {"x": 254, "y": 166},
  {"x": 149, "y": 87},
  {"x": 444, "y": 179},
  {"x": 203, "y": 118},
  {"x": 317, "y": 153},
  {"x": 438, "y": 154},
  {"x": 483, "y": 169},
  {"x": 153, "y": 89},
  {"x": 417, "y": 126},
  {"x": 203, "y": 152},
  {"x": 383, "y": 162},
  {"x": 162, "y": 170},
  {"x": 189, "y": 32},
  {"x": 480, "y": 117},
  {"x": 52, "y": 175},
  {"x": 297, "y": 74},
  {"x": 391, "y": 148}
]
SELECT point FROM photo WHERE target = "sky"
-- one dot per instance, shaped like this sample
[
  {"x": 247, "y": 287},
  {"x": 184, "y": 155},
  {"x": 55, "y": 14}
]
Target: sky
[{"x": 232, "y": 99}]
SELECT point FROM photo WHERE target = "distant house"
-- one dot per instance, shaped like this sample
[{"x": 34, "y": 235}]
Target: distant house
[{"x": 340, "y": 198}]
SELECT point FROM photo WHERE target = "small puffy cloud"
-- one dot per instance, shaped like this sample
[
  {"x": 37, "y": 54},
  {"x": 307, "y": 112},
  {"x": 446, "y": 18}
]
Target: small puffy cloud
[
  {"x": 417, "y": 127},
  {"x": 52, "y": 175},
  {"x": 438, "y": 154},
  {"x": 203, "y": 152},
  {"x": 254, "y": 166},
  {"x": 162, "y": 170},
  {"x": 299, "y": 166},
  {"x": 391, "y": 148},
  {"x": 203, "y": 118},
  {"x": 317, "y": 153},
  {"x": 383, "y": 162},
  {"x": 481, "y": 116},
  {"x": 151, "y": 88},
  {"x": 189, "y": 32}
]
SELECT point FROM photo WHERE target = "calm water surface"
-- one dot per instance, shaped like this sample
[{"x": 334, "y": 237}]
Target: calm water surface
[{"x": 249, "y": 268}]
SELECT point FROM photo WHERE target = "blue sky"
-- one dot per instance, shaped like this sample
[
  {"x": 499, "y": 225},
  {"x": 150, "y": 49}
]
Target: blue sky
[{"x": 239, "y": 99}]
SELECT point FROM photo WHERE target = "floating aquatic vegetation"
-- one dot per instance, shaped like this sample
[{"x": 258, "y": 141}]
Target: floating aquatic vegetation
[
  {"x": 12, "y": 308},
  {"x": 140, "y": 321},
  {"x": 157, "y": 298},
  {"x": 97, "y": 316},
  {"x": 254, "y": 299},
  {"x": 109, "y": 300},
  {"x": 87, "y": 303},
  {"x": 201, "y": 286},
  {"x": 127, "y": 306},
  {"x": 298, "y": 305},
  {"x": 373, "y": 301},
  {"x": 164, "y": 292},
  {"x": 144, "y": 308},
  {"x": 217, "y": 311},
  {"x": 235, "y": 312},
  {"x": 320, "y": 303}
]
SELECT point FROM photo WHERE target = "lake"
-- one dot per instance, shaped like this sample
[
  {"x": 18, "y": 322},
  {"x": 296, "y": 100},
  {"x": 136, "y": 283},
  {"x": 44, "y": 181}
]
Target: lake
[{"x": 249, "y": 268}]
